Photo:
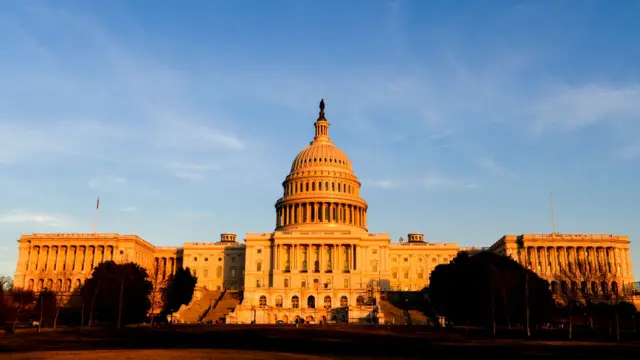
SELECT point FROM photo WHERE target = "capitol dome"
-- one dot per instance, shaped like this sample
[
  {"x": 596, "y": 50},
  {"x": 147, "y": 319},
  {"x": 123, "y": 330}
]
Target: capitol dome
[{"x": 321, "y": 188}]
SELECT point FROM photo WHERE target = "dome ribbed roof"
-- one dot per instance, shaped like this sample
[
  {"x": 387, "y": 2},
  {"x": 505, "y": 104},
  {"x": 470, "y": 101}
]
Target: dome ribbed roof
[{"x": 321, "y": 154}]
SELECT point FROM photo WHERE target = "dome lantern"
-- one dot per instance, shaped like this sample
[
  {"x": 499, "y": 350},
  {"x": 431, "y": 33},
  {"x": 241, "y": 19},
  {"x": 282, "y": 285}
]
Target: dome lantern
[{"x": 322, "y": 126}]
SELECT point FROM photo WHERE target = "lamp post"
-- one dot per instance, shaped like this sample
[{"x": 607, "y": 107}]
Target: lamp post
[{"x": 122, "y": 257}]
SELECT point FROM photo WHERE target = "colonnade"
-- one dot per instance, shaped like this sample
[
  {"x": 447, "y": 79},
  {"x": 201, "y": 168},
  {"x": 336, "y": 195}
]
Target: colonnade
[
  {"x": 321, "y": 212},
  {"x": 52, "y": 266},
  {"x": 67, "y": 258},
  {"x": 549, "y": 260},
  {"x": 316, "y": 258},
  {"x": 164, "y": 267}
]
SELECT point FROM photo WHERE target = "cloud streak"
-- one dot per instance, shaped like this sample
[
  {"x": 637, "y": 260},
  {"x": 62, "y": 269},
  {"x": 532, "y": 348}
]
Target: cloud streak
[
  {"x": 190, "y": 171},
  {"x": 24, "y": 217}
]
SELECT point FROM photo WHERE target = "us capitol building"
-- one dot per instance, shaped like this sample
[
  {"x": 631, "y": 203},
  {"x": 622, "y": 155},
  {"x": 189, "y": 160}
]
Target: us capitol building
[{"x": 319, "y": 263}]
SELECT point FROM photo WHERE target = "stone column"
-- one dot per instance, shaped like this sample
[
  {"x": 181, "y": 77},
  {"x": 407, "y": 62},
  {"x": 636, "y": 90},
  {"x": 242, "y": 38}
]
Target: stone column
[{"x": 29, "y": 258}]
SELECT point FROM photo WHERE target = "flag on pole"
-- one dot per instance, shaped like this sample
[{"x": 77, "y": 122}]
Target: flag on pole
[{"x": 98, "y": 203}]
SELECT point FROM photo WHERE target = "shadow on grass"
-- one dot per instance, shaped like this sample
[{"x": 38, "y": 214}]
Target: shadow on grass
[{"x": 365, "y": 342}]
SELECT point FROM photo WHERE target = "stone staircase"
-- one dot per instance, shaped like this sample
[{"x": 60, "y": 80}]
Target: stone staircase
[
  {"x": 393, "y": 314},
  {"x": 225, "y": 304},
  {"x": 198, "y": 308},
  {"x": 417, "y": 317}
]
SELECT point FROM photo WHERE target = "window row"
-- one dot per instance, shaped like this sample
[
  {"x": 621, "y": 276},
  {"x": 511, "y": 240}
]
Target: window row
[
  {"x": 296, "y": 187},
  {"x": 311, "y": 302},
  {"x": 303, "y": 283},
  {"x": 232, "y": 272}
]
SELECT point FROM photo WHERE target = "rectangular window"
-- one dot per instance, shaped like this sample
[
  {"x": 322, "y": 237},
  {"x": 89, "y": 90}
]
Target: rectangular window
[
  {"x": 258, "y": 266},
  {"x": 286, "y": 283},
  {"x": 259, "y": 251},
  {"x": 374, "y": 251},
  {"x": 346, "y": 283},
  {"x": 303, "y": 285},
  {"x": 257, "y": 283},
  {"x": 233, "y": 272},
  {"x": 206, "y": 273}
]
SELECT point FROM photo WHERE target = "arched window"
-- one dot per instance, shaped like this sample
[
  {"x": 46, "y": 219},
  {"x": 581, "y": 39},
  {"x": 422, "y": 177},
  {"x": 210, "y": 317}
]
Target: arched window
[
  {"x": 218, "y": 272},
  {"x": 344, "y": 301},
  {"x": 313, "y": 186},
  {"x": 614, "y": 287},
  {"x": 306, "y": 186},
  {"x": 30, "y": 284},
  {"x": 295, "y": 302},
  {"x": 311, "y": 302},
  {"x": 41, "y": 285},
  {"x": 320, "y": 186},
  {"x": 374, "y": 265},
  {"x": 574, "y": 287},
  {"x": 326, "y": 185},
  {"x": 263, "y": 301},
  {"x": 594, "y": 287},
  {"x": 327, "y": 302},
  {"x": 605, "y": 287},
  {"x": 279, "y": 301},
  {"x": 360, "y": 300},
  {"x": 67, "y": 286},
  {"x": 339, "y": 187},
  {"x": 563, "y": 287},
  {"x": 333, "y": 186},
  {"x": 58, "y": 285}
]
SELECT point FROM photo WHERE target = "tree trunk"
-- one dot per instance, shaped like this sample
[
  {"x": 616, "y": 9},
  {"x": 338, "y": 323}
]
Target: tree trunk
[
  {"x": 41, "y": 312},
  {"x": 570, "y": 320},
  {"x": 526, "y": 300},
  {"x": 55, "y": 319},
  {"x": 93, "y": 301},
  {"x": 82, "y": 317},
  {"x": 493, "y": 315},
  {"x": 617, "y": 324},
  {"x": 15, "y": 322}
]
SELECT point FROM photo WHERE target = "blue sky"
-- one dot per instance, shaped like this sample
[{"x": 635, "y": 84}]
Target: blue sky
[{"x": 460, "y": 117}]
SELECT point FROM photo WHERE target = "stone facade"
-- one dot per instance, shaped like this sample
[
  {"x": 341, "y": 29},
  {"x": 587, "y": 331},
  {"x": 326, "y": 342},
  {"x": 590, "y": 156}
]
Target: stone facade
[{"x": 320, "y": 263}]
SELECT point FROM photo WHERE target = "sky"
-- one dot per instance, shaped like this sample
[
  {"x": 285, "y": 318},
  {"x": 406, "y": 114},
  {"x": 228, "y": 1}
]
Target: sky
[{"x": 459, "y": 117}]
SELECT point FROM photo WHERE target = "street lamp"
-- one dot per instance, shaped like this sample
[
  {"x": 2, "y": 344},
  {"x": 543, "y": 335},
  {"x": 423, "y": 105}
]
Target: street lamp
[{"x": 122, "y": 259}]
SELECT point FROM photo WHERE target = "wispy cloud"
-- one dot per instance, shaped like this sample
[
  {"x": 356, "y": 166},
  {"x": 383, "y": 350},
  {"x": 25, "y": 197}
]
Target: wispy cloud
[
  {"x": 189, "y": 171},
  {"x": 128, "y": 209},
  {"x": 107, "y": 183},
  {"x": 193, "y": 214},
  {"x": 21, "y": 216},
  {"x": 489, "y": 164},
  {"x": 384, "y": 184},
  {"x": 431, "y": 181},
  {"x": 437, "y": 181},
  {"x": 570, "y": 108}
]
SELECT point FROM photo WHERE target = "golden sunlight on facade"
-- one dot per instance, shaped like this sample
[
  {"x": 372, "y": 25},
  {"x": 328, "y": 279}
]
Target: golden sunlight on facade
[{"x": 319, "y": 264}]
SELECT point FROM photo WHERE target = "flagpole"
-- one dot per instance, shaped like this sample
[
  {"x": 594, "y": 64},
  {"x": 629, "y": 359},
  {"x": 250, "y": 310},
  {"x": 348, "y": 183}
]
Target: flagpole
[{"x": 95, "y": 218}]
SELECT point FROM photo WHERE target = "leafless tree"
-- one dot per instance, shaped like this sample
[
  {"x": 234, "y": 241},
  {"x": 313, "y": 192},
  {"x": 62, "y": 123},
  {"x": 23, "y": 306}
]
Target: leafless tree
[
  {"x": 586, "y": 283},
  {"x": 155, "y": 297}
]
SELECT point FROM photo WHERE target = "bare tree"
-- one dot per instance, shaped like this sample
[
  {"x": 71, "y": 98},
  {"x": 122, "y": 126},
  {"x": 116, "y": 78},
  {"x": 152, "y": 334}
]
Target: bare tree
[
  {"x": 155, "y": 297},
  {"x": 587, "y": 283},
  {"x": 62, "y": 297}
]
